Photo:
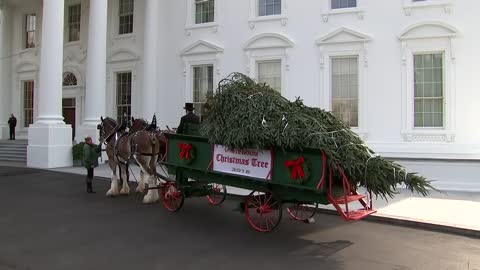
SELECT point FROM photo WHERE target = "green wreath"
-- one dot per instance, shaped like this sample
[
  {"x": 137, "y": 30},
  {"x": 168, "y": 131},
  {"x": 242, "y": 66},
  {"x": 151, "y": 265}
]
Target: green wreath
[
  {"x": 191, "y": 154},
  {"x": 306, "y": 169}
]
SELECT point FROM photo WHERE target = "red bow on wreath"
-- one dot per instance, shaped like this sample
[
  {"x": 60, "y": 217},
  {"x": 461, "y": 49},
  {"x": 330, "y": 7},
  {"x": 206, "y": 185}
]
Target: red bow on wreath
[
  {"x": 296, "y": 170},
  {"x": 185, "y": 151}
]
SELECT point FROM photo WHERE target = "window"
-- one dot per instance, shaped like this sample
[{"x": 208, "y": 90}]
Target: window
[
  {"x": 204, "y": 11},
  {"x": 428, "y": 90},
  {"x": 270, "y": 73},
  {"x": 74, "y": 14},
  {"x": 343, "y": 4},
  {"x": 69, "y": 79},
  {"x": 345, "y": 89},
  {"x": 269, "y": 7},
  {"x": 124, "y": 95},
  {"x": 202, "y": 85},
  {"x": 30, "y": 28},
  {"x": 28, "y": 87},
  {"x": 125, "y": 14}
]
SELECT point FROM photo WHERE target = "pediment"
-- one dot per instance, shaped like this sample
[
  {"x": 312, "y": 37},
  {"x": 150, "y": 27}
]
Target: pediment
[
  {"x": 428, "y": 30},
  {"x": 268, "y": 40},
  {"x": 201, "y": 47},
  {"x": 122, "y": 55},
  {"x": 26, "y": 67},
  {"x": 343, "y": 35}
]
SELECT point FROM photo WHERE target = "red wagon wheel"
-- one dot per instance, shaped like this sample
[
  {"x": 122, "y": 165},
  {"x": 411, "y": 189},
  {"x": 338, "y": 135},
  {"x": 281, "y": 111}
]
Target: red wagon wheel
[
  {"x": 302, "y": 212},
  {"x": 218, "y": 193},
  {"x": 172, "y": 197},
  {"x": 263, "y": 211}
]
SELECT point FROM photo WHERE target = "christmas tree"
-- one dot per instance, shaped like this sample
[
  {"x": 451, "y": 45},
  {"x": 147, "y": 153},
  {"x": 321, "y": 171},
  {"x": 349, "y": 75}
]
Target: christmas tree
[{"x": 245, "y": 114}]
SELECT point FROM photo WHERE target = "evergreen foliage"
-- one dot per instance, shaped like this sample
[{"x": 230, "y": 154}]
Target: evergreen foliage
[{"x": 246, "y": 114}]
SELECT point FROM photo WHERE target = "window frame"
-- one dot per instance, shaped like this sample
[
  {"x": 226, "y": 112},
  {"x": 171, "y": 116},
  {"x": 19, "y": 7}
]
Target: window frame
[
  {"x": 195, "y": 13},
  {"x": 24, "y": 106},
  {"x": 196, "y": 54},
  {"x": 26, "y": 29},
  {"x": 69, "y": 23},
  {"x": 255, "y": 18},
  {"x": 119, "y": 17},
  {"x": 266, "y": 15},
  {"x": 346, "y": 56},
  {"x": 190, "y": 23},
  {"x": 117, "y": 89},
  {"x": 442, "y": 53},
  {"x": 192, "y": 81},
  {"x": 428, "y": 37},
  {"x": 330, "y": 46},
  {"x": 342, "y": 8},
  {"x": 269, "y": 60}
]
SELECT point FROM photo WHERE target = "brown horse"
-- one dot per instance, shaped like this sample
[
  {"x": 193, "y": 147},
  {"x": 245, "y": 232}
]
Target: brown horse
[
  {"x": 110, "y": 131},
  {"x": 142, "y": 145}
]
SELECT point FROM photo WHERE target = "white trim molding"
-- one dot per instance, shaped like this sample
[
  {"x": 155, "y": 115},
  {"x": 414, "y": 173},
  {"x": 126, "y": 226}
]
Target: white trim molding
[
  {"x": 267, "y": 47},
  {"x": 409, "y": 5},
  {"x": 198, "y": 53},
  {"x": 190, "y": 24},
  {"x": 345, "y": 42},
  {"x": 428, "y": 37},
  {"x": 254, "y": 18},
  {"x": 122, "y": 55}
]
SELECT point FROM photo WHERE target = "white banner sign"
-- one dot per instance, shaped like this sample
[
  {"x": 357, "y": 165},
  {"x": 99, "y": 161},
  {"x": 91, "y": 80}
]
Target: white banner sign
[{"x": 248, "y": 162}]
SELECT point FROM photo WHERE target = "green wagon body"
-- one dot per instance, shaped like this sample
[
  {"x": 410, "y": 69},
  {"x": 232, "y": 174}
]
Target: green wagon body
[{"x": 195, "y": 176}]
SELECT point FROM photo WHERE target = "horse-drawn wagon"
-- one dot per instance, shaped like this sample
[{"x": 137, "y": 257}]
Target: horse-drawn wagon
[{"x": 299, "y": 179}]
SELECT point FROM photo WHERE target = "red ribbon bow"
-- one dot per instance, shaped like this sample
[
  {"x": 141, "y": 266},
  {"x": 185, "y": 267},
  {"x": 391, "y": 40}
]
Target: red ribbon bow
[
  {"x": 185, "y": 151},
  {"x": 296, "y": 170}
]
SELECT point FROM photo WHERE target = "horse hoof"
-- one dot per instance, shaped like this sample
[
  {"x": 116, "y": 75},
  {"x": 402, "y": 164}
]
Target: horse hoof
[
  {"x": 148, "y": 200},
  {"x": 111, "y": 193},
  {"x": 139, "y": 189},
  {"x": 125, "y": 192}
]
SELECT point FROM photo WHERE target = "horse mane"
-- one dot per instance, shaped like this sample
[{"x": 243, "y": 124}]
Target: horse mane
[
  {"x": 141, "y": 120},
  {"x": 110, "y": 120}
]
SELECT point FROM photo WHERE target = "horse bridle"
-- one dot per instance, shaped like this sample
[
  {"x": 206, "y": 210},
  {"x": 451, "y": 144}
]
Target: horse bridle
[{"x": 105, "y": 139}]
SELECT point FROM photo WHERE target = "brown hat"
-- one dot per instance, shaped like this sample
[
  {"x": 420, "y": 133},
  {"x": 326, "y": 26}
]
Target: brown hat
[{"x": 188, "y": 106}]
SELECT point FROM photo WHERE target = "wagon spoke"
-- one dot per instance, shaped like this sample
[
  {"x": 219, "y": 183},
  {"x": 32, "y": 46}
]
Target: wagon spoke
[
  {"x": 268, "y": 200},
  {"x": 259, "y": 212}
]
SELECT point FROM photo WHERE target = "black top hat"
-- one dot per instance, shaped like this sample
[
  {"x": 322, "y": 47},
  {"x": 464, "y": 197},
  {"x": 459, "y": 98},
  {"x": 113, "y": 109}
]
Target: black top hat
[{"x": 188, "y": 106}]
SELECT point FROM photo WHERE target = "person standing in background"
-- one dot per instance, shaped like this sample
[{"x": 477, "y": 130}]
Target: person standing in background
[
  {"x": 91, "y": 152},
  {"x": 12, "y": 123}
]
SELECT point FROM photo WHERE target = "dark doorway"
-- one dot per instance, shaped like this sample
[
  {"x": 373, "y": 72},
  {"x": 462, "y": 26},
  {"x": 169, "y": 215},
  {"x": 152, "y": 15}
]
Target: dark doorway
[{"x": 68, "y": 109}]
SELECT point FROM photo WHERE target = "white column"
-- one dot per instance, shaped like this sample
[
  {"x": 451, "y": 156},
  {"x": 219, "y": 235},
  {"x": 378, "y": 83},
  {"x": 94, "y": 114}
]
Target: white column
[
  {"x": 4, "y": 91},
  {"x": 50, "y": 139},
  {"x": 96, "y": 69},
  {"x": 150, "y": 58}
]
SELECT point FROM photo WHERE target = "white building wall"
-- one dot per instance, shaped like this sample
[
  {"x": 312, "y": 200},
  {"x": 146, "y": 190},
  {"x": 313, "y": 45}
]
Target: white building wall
[{"x": 373, "y": 30}]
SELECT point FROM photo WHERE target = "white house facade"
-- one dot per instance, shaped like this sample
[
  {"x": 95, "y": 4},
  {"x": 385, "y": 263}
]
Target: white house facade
[{"x": 402, "y": 73}]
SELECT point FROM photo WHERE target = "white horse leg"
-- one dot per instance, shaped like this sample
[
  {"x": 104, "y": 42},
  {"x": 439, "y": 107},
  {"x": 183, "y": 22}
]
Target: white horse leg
[
  {"x": 152, "y": 194},
  {"x": 113, "y": 191},
  {"x": 141, "y": 183},
  {"x": 125, "y": 187},
  {"x": 145, "y": 160}
]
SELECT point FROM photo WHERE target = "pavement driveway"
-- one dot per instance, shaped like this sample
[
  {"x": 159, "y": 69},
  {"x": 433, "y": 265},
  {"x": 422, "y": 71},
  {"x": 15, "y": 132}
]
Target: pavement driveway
[{"x": 48, "y": 221}]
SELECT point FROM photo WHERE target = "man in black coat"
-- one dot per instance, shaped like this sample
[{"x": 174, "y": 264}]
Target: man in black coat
[
  {"x": 190, "y": 117},
  {"x": 12, "y": 123}
]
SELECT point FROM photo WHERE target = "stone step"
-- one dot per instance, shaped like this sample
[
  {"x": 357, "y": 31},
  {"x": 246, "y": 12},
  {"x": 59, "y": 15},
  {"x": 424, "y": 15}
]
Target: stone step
[
  {"x": 15, "y": 159},
  {"x": 13, "y": 149},
  {"x": 13, "y": 153}
]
